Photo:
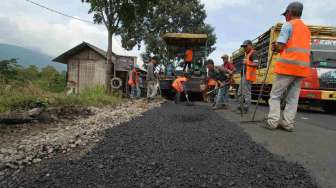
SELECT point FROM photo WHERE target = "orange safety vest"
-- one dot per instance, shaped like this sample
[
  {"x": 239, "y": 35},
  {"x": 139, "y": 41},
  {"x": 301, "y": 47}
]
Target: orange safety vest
[
  {"x": 295, "y": 58},
  {"x": 188, "y": 56},
  {"x": 178, "y": 84},
  {"x": 212, "y": 82},
  {"x": 131, "y": 80},
  {"x": 251, "y": 71}
]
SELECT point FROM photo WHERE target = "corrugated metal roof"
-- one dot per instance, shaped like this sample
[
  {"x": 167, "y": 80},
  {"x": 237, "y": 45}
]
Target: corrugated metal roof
[{"x": 66, "y": 55}]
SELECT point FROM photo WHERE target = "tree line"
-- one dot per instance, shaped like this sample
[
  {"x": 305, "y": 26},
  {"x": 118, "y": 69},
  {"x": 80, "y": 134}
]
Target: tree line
[
  {"x": 47, "y": 78},
  {"x": 143, "y": 22}
]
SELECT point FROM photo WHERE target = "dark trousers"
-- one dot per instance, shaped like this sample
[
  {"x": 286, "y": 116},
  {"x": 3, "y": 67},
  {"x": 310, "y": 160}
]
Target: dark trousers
[{"x": 187, "y": 64}]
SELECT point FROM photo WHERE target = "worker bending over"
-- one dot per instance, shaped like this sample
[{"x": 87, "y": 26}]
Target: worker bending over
[
  {"x": 134, "y": 82},
  {"x": 179, "y": 87},
  {"x": 220, "y": 75},
  {"x": 248, "y": 75},
  {"x": 151, "y": 79},
  {"x": 291, "y": 68}
]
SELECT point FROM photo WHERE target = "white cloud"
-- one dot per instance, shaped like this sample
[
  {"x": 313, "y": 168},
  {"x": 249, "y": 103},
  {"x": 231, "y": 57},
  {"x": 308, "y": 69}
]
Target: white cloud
[
  {"x": 26, "y": 25},
  {"x": 54, "y": 39},
  {"x": 320, "y": 12},
  {"x": 32, "y": 27},
  {"x": 227, "y": 48},
  {"x": 218, "y": 4}
]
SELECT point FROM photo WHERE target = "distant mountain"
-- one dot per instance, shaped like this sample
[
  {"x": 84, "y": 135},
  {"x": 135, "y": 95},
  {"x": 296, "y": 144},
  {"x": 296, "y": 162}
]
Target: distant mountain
[{"x": 28, "y": 57}]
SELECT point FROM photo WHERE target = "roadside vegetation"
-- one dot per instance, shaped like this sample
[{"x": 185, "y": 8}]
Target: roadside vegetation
[{"x": 25, "y": 88}]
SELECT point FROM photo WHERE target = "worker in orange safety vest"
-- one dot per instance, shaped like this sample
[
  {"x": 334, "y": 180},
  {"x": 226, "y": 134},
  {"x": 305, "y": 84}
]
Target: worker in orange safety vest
[
  {"x": 188, "y": 58},
  {"x": 179, "y": 86},
  {"x": 248, "y": 75},
  {"x": 134, "y": 82},
  {"x": 291, "y": 68}
]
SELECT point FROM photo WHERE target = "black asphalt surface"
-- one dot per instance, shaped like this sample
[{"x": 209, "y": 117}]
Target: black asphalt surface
[
  {"x": 171, "y": 146},
  {"x": 312, "y": 144}
]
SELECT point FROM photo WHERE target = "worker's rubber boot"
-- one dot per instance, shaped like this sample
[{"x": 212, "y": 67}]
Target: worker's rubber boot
[
  {"x": 268, "y": 126},
  {"x": 288, "y": 128}
]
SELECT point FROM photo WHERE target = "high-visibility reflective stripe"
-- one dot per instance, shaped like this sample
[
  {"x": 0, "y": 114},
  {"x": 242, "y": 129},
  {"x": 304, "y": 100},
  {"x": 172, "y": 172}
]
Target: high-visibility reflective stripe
[
  {"x": 294, "y": 62},
  {"x": 302, "y": 50}
]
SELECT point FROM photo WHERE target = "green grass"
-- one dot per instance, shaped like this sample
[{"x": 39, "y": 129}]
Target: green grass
[
  {"x": 89, "y": 97},
  {"x": 25, "y": 97}
]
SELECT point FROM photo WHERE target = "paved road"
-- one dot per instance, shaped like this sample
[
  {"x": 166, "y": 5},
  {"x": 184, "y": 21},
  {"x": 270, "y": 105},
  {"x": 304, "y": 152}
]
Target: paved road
[
  {"x": 171, "y": 146},
  {"x": 313, "y": 144}
]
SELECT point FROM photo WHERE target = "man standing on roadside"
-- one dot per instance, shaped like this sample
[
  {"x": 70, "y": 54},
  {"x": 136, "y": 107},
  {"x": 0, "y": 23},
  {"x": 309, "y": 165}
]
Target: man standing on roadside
[
  {"x": 134, "y": 82},
  {"x": 248, "y": 75},
  {"x": 151, "y": 78},
  {"x": 291, "y": 68}
]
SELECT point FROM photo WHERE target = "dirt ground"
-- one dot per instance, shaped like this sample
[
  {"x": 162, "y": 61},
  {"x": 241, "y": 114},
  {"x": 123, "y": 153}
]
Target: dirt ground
[{"x": 23, "y": 145}]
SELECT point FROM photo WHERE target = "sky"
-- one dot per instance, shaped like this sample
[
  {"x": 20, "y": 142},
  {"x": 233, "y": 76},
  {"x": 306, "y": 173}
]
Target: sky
[{"x": 24, "y": 24}]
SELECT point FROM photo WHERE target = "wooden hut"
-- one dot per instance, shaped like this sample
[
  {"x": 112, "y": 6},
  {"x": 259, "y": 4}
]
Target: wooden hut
[{"x": 87, "y": 67}]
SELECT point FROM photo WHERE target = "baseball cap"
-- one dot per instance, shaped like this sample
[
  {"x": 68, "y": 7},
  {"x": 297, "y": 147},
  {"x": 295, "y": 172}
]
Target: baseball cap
[
  {"x": 246, "y": 43},
  {"x": 296, "y": 7}
]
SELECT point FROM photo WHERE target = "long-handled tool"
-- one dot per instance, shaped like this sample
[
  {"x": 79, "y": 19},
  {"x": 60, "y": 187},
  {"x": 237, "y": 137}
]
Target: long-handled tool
[
  {"x": 241, "y": 97},
  {"x": 261, "y": 91},
  {"x": 218, "y": 88}
]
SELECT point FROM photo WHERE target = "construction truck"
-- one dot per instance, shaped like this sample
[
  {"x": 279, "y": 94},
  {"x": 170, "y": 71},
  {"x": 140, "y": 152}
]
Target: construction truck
[
  {"x": 176, "y": 46},
  {"x": 319, "y": 89}
]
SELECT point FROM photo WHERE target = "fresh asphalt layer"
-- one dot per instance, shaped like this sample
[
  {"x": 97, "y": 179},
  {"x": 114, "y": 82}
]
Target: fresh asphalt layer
[
  {"x": 170, "y": 146},
  {"x": 312, "y": 144}
]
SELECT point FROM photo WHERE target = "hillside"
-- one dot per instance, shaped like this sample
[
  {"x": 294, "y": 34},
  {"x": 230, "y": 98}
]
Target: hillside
[{"x": 27, "y": 57}]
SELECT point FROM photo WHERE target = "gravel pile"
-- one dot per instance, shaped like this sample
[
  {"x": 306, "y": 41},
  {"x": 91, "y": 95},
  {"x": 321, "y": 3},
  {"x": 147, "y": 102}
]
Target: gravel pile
[
  {"x": 26, "y": 144},
  {"x": 171, "y": 146}
]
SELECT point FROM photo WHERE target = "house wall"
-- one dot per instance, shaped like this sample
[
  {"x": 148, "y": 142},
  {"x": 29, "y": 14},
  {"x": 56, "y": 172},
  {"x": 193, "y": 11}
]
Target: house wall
[
  {"x": 86, "y": 69},
  {"x": 89, "y": 69}
]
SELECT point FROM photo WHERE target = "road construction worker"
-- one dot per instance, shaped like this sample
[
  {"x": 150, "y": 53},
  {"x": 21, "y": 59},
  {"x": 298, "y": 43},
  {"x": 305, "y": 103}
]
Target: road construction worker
[
  {"x": 291, "y": 68},
  {"x": 229, "y": 68},
  {"x": 220, "y": 75},
  {"x": 211, "y": 85},
  {"x": 179, "y": 86},
  {"x": 151, "y": 79},
  {"x": 188, "y": 58},
  {"x": 134, "y": 82},
  {"x": 248, "y": 75}
]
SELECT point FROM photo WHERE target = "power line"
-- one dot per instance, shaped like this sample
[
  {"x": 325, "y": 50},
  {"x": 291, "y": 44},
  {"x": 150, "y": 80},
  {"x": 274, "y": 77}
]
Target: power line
[
  {"x": 69, "y": 16},
  {"x": 58, "y": 12}
]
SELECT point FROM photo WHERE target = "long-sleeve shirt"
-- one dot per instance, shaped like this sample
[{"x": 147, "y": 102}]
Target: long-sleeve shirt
[
  {"x": 150, "y": 72},
  {"x": 229, "y": 66},
  {"x": 218, "y": 74}
]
